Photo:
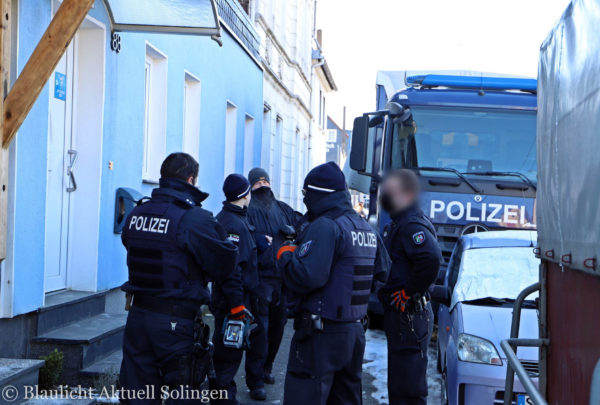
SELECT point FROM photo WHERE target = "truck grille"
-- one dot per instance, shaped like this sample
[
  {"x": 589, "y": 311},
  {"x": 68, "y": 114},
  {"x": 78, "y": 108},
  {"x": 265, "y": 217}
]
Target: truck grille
[
  {"x": 447, "y": 237},
  {"x": 449, "y": 234}
]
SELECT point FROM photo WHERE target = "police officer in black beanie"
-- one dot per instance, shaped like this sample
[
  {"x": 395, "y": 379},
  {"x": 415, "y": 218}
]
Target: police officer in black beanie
[
  {"x": 408, "y": 319},
  {"x": 330, "y": 271},
  {"x": 232, "y": 297},
  {"x": 174, "y": 248},
  {"x": 269, "y": 216}
]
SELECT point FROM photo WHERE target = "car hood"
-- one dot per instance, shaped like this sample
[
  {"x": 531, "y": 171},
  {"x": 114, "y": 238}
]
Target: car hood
[{"x": 493, "y": 324}]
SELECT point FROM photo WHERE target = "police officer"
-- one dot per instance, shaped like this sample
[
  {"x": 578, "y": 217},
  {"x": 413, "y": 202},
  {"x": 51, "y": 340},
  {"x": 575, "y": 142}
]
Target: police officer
[
  {"x": 174, "y": 248},
  {"x": 330, "y": 273},
  {"x": 408, "y": 320},
  {"x": 233, "y": 296},
  {"x": 270, "y": 217}
]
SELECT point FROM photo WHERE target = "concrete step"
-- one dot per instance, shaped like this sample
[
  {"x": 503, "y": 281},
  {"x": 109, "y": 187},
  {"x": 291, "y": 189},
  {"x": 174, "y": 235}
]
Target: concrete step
[
  {"x": 60, "y": 402},
  {"x": 82, "y": 342},
  {"x": 66, "y": 307},
  {"x": 17, "y": 373},
  {"x": 105, "y": 367}
]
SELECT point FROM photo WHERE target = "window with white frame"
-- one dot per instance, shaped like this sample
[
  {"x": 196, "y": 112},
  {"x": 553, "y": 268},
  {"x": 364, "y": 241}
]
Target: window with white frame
[
  {"x": 267, "y": 136},
  {"x": 230, "y": 139},
  {"x": 155, "y": 113},
  {"x": 332, "y": 135},
  {"x": 276, "y": 165},
  {"x": 248, "y": 143},
  {"x": 191, "y": 115}
]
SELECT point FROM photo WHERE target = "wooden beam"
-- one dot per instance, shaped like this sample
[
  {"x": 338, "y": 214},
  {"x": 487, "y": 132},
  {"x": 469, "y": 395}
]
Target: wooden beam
[
  {"x": 41, "y": 64},
  {"x": 5, "y": 51}
]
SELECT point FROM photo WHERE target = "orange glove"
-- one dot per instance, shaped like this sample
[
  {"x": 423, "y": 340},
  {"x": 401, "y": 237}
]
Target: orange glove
[
  {"x": 285, "y": 248},
  {"x": 399, "y": 300},
  {"x": 241, "y": 313}
]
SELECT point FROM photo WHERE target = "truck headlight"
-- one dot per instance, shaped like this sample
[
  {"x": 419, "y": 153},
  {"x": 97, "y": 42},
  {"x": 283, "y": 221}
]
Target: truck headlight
[{"x": 477, "y": 350}]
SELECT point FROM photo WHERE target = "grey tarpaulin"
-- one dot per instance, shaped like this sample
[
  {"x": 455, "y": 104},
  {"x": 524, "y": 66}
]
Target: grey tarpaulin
[{"x": 568, "y": 137}]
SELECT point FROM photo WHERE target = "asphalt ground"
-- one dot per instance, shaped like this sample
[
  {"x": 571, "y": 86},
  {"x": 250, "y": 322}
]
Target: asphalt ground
[{"x": 374, "y": 373}]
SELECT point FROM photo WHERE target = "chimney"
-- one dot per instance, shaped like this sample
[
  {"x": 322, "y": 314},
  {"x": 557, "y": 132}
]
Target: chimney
[{"x": 320, "y": 38}]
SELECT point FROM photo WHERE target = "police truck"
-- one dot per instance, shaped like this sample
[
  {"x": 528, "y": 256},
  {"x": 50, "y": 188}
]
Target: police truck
[{"x": 471, "y": 139}]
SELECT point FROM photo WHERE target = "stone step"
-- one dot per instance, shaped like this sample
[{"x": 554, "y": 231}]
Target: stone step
[
  {"x": 82, "y": 342},
  {"x": 17, "y": 373},
  {"x": 66, "y": 307},
  {"x": 48, "y": 401},
  {"x": 106, "y": 366}
]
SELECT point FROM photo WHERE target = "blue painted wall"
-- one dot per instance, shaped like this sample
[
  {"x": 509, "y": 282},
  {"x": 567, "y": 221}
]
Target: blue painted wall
[{"x": 226, "y": 73}]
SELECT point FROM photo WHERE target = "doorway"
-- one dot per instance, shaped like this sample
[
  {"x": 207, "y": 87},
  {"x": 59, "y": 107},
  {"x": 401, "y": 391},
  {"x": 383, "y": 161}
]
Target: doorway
[{"x": 74, "y": 162}]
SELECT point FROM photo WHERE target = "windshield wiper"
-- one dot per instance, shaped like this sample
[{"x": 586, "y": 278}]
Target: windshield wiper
[
  {"x": 450, "y": 170},
  {"x": 525, "y": 179},
  {"x": 492, "y": 301},
  {"x": 488, "y": 301}
]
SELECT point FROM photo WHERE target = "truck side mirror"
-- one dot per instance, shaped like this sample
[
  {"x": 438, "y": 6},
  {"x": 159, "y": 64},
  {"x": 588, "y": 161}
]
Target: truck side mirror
[{"x": 360, "y": 136}]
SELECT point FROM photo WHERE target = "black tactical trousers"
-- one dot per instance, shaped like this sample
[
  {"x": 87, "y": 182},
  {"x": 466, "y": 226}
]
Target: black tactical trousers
[
  {"x": 276, "y": 321},
  {"x": 152, "y": 345},
  {"x": 257, "y": 353},
  {"x": 407, "y": 341},
  {"x": 325, "y": 368},
  {"x": 227, "y": 361}
]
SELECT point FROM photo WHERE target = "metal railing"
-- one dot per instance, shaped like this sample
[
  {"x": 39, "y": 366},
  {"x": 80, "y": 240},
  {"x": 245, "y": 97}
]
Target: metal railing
[
  {"x": 595, "y": 386},
  {"x": 510, "y": 349}
]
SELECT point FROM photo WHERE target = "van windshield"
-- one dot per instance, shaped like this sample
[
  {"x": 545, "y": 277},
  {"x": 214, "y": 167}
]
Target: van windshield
[
  {"x": 470, "y": 140},
  {"x": 497, "y": 272}
]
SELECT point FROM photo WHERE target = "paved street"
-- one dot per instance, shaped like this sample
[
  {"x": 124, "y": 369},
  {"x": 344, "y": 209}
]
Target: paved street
[{"x": 374, "y": 376}]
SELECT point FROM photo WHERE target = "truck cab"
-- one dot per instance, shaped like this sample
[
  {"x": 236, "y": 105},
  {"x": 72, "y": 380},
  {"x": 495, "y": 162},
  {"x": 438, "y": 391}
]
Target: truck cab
[{"x": 472, "y": 142}]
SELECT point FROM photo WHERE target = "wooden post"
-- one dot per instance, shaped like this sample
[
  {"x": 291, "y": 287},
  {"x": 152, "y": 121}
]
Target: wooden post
[
  {"x": 41, "y": 64},
  {"x": 5, "y": 51}
]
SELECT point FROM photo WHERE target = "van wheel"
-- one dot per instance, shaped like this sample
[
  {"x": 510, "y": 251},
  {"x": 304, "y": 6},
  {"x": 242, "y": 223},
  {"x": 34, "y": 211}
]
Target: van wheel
[{"x": 439, "y": 359}]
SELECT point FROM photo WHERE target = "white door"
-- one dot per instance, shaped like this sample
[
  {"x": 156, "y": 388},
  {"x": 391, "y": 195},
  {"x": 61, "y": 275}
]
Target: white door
[
  {"x": 74, "y": 165},
  {"x": 60, "y": 172}
]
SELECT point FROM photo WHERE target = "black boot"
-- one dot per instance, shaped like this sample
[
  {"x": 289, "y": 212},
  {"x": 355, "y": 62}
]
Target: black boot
[
  {"x": 258, "y": 394},
  {"x": 269, "y": 378}
]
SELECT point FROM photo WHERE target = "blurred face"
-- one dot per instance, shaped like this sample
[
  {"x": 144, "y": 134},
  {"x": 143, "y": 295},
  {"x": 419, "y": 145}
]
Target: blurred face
[
  {"x": 394, "y": 198},
  {"x": 261, "y": 183}
]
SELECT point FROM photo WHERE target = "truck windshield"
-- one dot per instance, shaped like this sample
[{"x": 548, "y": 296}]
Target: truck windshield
[{"x": 468, "y": 140}]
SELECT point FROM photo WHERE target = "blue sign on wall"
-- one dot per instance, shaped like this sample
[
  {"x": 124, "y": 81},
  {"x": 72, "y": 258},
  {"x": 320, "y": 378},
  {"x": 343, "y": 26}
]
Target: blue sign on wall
[{"x": 60, "y": 86}]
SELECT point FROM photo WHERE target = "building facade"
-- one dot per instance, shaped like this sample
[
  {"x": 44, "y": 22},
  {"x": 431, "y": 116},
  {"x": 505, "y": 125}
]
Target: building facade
[
  {"x": 323, "y": 85},
  {"x": 104, "y": 121},
  {"x": 289, "y": 149},
  {"x": 338, "y": 143}
]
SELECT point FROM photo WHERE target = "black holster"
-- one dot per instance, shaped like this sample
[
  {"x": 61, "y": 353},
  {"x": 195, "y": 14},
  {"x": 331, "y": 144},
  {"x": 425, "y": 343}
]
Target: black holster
[
  {"x": 306, "y": 325},
  {"x": 202, "y": 365}
]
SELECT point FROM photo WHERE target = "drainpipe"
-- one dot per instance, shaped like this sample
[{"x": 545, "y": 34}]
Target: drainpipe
[
  {"x": 313, "y": 69},
  {"x": 312, "y": 84}
]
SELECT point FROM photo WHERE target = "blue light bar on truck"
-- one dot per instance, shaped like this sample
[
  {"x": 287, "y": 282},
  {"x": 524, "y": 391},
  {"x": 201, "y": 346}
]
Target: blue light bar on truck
[{"x": 473, "y": 82}]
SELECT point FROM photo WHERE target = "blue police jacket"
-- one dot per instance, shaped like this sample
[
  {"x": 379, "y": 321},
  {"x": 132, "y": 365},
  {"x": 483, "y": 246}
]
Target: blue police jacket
[
  {"x": 338, "y": 255},
  {"x": 412, "y": 244},
  {"x": 174, "y": 247},
  {"x": 244, "y": 280}
]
